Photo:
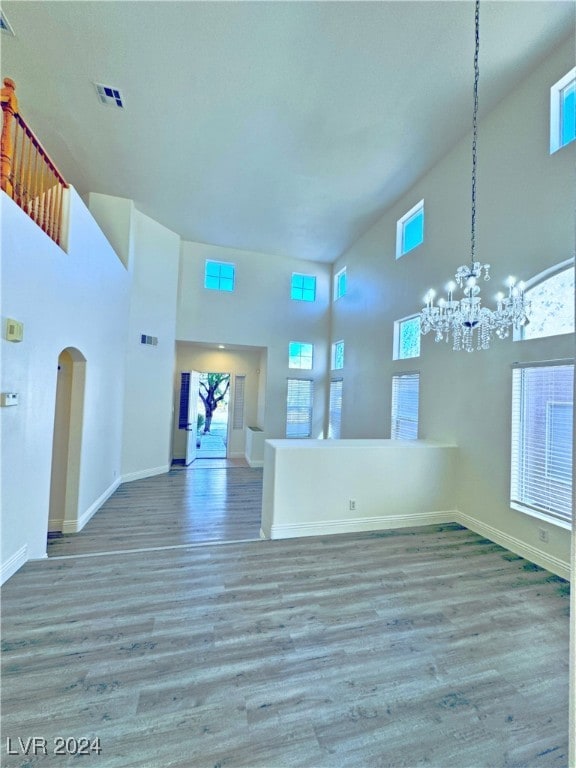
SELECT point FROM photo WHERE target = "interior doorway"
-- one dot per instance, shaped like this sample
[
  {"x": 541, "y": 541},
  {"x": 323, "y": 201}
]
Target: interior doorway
[
  {"x": 213, "y": 402},
  {"x": 67, "y": 442}
]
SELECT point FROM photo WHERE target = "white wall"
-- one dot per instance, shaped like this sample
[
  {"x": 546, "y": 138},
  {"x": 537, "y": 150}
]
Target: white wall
[
  {"x": 259, "y": 312},
  {"x": 390, "y": 484},
  {"x": 193, "y": 357},
  {"x": 147, "y": 433},
  {"x": 77, "y": 299},
  {"x": 525, "y": 223}
]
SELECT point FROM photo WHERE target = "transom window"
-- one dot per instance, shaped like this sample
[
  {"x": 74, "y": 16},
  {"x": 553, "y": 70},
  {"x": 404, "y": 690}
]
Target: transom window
[
  {"x": 300, "y": 355},
  {"x": 410, "y": 230},
  {"x": 340, "y": 284},
  {"x": 299, "y": 400},
  {"x": 563, "y": 111},
  {"x": 551, "y": 297},
  {"x": 337, "y": 355},
  {"x": 542, "y": 412},
  {"x": 303, "y": 287},
  {"x": 219, "y": 276},
  {"x": 405, "y": 397},
  {"x": 407, "y": 337}
]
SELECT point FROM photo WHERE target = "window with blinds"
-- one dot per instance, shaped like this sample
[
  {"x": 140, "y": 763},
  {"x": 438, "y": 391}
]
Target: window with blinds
[
  {"x": 299, "y": 407},
  {"x": 335, "y": 409},
  {"x": 405, "y": 395},
  {"x": 184, "y": 399},
  {"x": 239, "y": 396},
  {"x": 542, "y": 418}
]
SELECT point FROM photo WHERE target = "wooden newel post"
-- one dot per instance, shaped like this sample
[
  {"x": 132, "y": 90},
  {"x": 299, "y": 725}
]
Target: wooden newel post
[{"x": 9, "y": 109}]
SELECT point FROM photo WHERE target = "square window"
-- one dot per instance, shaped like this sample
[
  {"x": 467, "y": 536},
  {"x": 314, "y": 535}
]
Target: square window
[
  {"x": 337, "y": 355},
  {"x": 300, "y": 355},
  {"x": 219, "y": 276},
  {"x": 563, "y": 111},
  {"x": 407, "y": 338},
  {"x": 303, "y": 287},
  {"x": 340, "y": 284},
  {"x": 410, "y": 230}
]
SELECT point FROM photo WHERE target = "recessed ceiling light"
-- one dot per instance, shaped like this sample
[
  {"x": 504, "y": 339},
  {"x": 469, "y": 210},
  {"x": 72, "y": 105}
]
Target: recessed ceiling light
[
  {"x": 5, "y": 25},
  {"x": 109, "y": 95},
  {"x": 221, "y": 346}
]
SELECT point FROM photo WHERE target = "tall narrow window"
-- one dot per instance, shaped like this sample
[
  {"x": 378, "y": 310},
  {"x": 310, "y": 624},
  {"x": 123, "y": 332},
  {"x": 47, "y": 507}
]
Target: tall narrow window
[
  {"x": 542, "y": 412},
  {"x": 299, "y": 407},
  {"x": 184, "y": 400},
  {"x": 300, "y": 355},
  {"x": 340, "y": 284},
  {"x": 410, "y": 230},
  {"x": 239, "y": 397},
  {"x": 405, "y": 395},
  {"x": 303, "y": 287},
  {"x": 337, "y": 355},
  {"x": 563, "y": 111},
  {"x": 219, "y": 276},
  {"x": 335, "y": 411},
  {"x": 407, "y": 338}
]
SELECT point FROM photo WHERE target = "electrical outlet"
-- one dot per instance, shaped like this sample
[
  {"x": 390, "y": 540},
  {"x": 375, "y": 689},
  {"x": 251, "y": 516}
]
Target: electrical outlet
[
  {"x": 542, "y": 534},
  {"x": 352, "y": 505}
]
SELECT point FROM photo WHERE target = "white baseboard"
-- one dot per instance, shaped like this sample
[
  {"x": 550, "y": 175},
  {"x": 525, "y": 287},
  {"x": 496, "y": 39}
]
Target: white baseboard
[
  {"x": 13, "y": 563},
  {"x": 74, "y": 526},
  {"x": 254, "y": 463},
  {"x": 519, "y": 547},
  {"x": 354, "y": 525},
  {"x": 144, "y": 473}
]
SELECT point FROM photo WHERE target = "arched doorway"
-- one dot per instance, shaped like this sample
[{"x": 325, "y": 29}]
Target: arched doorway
[{"x": 67, "y": 442}]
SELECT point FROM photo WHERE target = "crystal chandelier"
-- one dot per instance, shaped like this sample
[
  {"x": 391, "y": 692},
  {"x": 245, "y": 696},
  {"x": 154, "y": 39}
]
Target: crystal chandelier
[{"x": 466, "y": 321}]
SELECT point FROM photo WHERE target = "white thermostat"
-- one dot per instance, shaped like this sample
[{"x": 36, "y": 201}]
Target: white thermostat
[{"x": 8, "y": 398}]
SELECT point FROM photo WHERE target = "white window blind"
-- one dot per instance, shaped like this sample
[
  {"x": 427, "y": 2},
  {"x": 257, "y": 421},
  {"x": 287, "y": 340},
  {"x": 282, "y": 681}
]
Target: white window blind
[
  {"x": 335, "y": 412},
  {"x": 542, "y": 417},
  {"x": 239, "y": 391},
  {"x": 299, "y": 407},
  {"x": 405, "y": 395}
]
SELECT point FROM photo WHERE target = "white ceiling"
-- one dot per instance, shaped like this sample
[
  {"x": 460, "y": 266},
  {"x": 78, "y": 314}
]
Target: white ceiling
[{"x": 280, "y": 127}]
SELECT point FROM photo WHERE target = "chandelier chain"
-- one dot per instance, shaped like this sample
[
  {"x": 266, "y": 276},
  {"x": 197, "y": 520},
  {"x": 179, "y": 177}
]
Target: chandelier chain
[{"x": 475, "y": 132}]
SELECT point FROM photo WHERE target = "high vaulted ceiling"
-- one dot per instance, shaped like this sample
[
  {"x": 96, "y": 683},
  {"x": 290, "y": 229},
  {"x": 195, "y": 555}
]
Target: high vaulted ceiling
[{"x": 280, "y": 127}]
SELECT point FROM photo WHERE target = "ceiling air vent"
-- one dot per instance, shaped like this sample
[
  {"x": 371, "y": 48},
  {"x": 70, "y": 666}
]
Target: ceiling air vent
[
  {"x": 5, "y": 25},
  {"x": 109, "y": 96}
]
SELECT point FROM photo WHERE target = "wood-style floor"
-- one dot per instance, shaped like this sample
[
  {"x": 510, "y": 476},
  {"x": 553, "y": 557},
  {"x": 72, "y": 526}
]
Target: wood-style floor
[
  {"x": 213, "y": 500},
  {"x": 418, "y": 647}
]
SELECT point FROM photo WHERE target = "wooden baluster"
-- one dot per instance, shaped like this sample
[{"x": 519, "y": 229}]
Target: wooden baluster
[
  {"x": 28, "y": 183},
  {"x": 16, "y": 166},
  {"x": 45, "y": 200},
  {"x": 49, "y": 214},
  {"x": 9, "y": 109},
  {"x": 59, "y": 213},
  {"x": 20, "y": 175},
  {"x": 36, "y": 187},
  {"x": 53, "y": 209}
]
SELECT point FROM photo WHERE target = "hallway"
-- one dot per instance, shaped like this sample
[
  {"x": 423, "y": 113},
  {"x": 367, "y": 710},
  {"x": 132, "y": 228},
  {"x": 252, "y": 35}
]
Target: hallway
[{"x": 210, "y": 501}]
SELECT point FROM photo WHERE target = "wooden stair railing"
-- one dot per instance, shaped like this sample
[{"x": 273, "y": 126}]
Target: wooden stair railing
[{"x": 27, "y": 174}]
